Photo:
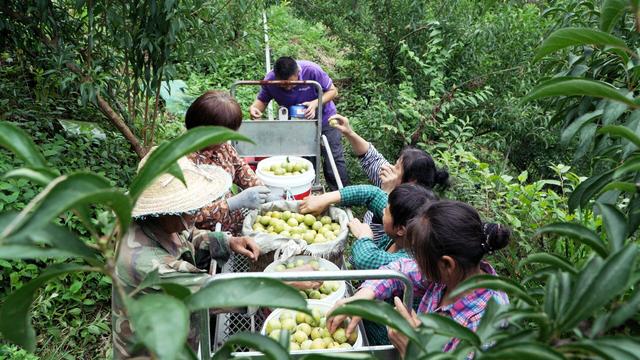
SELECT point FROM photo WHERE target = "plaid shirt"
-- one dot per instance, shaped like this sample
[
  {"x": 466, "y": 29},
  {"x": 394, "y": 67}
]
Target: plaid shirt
[
  {"x": 371, "y": 163},
  {"x": 467, "y": 311},
  {"x": 367, "y": 253}
]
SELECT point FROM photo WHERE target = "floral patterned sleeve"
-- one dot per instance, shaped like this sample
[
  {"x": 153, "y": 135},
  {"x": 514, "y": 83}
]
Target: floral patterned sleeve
[
  {"x": 217, "y": 211},
  {"x": 385, "y": 289},
  {"x": 244, "y": 176}
]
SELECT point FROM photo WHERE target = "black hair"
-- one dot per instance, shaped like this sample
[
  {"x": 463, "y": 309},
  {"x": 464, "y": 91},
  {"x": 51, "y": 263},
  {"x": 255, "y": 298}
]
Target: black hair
[
  {"x": 453, "y": 229},
  {"x": 284, "y": 67},
  {"x": 404, "y": 202},
  {"x": 419, "y": 167},
  {"x": 214, "y": 108}
]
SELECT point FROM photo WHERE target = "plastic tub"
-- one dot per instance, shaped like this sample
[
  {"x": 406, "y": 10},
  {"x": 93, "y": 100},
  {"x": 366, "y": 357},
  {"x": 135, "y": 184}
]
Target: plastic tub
[
  {"x": 299, "y": 186},
  {"x": 322, "y": 305},
  {"x": 325, "y": 265}
]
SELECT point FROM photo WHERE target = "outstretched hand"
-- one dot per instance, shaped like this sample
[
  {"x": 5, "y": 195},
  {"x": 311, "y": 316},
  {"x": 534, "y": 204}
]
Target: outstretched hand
[{"x": 246, "y": 246}]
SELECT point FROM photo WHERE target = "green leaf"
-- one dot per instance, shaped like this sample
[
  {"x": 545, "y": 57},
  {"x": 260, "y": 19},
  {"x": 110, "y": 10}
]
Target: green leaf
[
  {"x": 15, "y": 315},
  {"x": 166, "y": 155},
  {"x": 40, "y": 176},
  {"x": 17, "y": 141},
  {"x": 613, "y": 350},
  {"x": 610, "y": 12},
  {"x": 269, "y": 347},
  {"x": 489, "y": 324},
  {"x": 552, "y": 260},
  {"x": 625, "y": 311},
  {"x": 523, "y": 351},
  {"x": 379, "y": 312},
  {"x": 574, "y": 36},
  {"x": 49, "y": 241},
  {"x": 258, "y": 292},
  {"x": 66, "y": 193},
  {"x": 449, "y": 327},
  {"x": 576, "y": 232},
  {"x": 611, "y": 281},
  {"x": 621, "y": 131},
  {"x": 495, "y": 283},
  {"x": 161, "y": 323},
  {"x": 578, "y": 87},
  {"x": 615, "y": 225},
  {"x": 632, "y": 164},
  {"x": 570, "y": 131},
  {"x": 586, "y": 190},
  {"x": 341, "y": 356},
  {"x": 620, "y": 185}
]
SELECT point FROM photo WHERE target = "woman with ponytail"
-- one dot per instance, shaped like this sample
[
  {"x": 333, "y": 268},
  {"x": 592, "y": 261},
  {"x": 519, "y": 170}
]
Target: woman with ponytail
[{"x": 449, "y": 242}]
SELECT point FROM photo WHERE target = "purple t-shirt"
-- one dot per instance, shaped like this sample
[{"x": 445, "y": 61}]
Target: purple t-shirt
[{"x": 300, "y": 93}]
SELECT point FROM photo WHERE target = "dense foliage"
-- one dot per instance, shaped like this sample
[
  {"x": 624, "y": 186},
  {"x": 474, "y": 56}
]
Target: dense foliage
[{"x": 82, "y": 79}]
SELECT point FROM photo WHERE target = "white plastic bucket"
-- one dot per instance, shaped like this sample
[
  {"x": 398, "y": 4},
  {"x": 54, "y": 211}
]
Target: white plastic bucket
[{"x": 299, "y": 186}]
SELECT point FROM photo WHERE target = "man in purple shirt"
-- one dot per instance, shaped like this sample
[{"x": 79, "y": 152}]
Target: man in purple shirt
[{"x": 286, "y": 68}]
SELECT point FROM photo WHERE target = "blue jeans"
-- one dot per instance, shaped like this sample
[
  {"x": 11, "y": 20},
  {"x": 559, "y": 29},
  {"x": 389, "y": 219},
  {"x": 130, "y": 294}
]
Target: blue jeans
[{"x": 334, "y": 138}]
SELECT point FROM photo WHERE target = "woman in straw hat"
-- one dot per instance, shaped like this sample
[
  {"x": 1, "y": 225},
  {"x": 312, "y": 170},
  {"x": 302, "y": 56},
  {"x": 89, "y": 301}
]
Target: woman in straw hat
[
  {"x": 218, "y": 108},
  {"x": 163, "y": 238}
]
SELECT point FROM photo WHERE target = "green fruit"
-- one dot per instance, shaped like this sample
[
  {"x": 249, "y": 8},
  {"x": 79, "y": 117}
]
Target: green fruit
[
  {"x": 258, "y": 227},
  {"x": 324, "y": 289},
  {"x": 306, "y": 345},
  {"x": 345, "y": 346},
  {"x": 335, "y": 227},
  {"x": 286, "y": 215},
  {"x": 281, "y": 267},
  {"x": 299, "y": 262},
  {"x": 299, "y": 217},
  {"x": 308, "y": 319},
  {"x": 309, "y": 219},
  {"x": 323, "y": 322},
  {"x": 296, "y": 236},
  {"x": 287, "y": 315},
  {"x": 317, "y": 314},
  {"x": 301, "y": 336},
  {"x": 315, "y": 294},
  {"x": 279, "y": 172},
  {"x": 327, "y": 341},
  {"x": 288, "y": 324},
  {"x": 319, "y": 239},
  {"x": 298, "y": 167},
  {"x": 352, "y": 338},
  {"x": 317, "y": 226},
  {"x": 273, "y": 324},
  {"x": 325, "y": 332},
  {"x": 271, "y": 229},
  {"x": 278, "y": 227},
  {"x": 304, "y": 294},
  {"x": 318, "y": 344},
  {"x": 314, "y": 264},
  {"x": 276, "y": 215},
  {"x": 325, "y": 220},
  {"x": 340, "y": 336},
  {"x": 294, "y": 346},
  {"x": 308, "y": 237},
  {"x": 291, "y": 265},
  {"x": 333, "y": 345},
  {"x": 304, "y": 327},
  {"x": 275, "y": 335},
  {"x": 265, "y": 220},
  {"x": 285, "y": 234},
  {"x": 292, "y": 222},
  {"x": 275, "y": 167},
  {"x": 316, "y": 333}
]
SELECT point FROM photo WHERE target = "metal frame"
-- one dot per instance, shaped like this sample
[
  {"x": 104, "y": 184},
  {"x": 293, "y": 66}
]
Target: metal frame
[
  {"x": 384, "y": 351},
  {"x": 318, "y": 118}
]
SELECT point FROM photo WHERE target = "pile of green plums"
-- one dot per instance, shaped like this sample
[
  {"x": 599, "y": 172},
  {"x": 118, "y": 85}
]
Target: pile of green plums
[{"x": 297, "y": 226}]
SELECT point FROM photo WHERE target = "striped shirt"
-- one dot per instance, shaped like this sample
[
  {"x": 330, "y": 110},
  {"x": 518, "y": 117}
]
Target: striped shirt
[
  {"x": 372, "y": 161},
  {"x": 467, "y": 310},
  {"x": 365, "y": 252}
]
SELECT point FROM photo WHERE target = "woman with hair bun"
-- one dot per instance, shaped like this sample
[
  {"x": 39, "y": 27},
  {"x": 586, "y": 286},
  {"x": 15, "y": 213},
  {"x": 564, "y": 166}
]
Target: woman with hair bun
[{"x": 449, "y": 242}]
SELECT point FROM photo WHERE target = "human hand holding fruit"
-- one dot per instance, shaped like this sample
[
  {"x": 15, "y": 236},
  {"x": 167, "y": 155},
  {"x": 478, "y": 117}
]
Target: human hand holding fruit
[
  {"x": 303, "y": 285},
  {"x": 314, "y": 204},
  {"x": 360, "y": 230},
  {"x": 341, "y": 123}
]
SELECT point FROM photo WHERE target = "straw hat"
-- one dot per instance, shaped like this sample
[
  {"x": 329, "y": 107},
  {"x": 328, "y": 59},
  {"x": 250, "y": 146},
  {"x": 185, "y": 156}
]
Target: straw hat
[{"x": 167, "y": 195}]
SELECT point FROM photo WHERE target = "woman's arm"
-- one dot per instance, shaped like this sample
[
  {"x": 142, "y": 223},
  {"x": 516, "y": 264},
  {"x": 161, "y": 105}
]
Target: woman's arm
[
  {"x": 358, "y": 144},
  {"x": 365, "y": 254}
]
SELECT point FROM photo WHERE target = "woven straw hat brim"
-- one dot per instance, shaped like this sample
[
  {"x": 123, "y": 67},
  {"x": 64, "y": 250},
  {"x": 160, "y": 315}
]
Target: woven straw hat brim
[{"x": 169, "y": 196}]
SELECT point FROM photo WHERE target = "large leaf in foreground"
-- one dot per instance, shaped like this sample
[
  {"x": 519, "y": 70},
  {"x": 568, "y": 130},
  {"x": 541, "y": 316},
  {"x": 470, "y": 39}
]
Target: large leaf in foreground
[
  {"x": 18, "y": 142},
  {"x": 269, "y": 347},
  {"x": 567, "y": 37},
  {"x": 379, "y": 312},
  {"x": 66, "y": 193},
  {"x": 258, "y": 292},
  {"x": 165, "y": 156},
  {"x": 15, "y": 315},
  {"x": 576, "y": 232},
  {"x": 495, "y": 283},
  {"x": 578, "y": 87},
  {"x": 161, "y": 323}
]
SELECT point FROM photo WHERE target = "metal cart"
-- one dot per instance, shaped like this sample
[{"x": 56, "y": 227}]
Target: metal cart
[{"x": 298, "y": 138}]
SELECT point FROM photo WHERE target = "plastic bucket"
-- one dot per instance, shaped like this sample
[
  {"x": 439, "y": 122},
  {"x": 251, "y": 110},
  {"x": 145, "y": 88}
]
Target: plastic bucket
[{"x": 299, "y": 186}]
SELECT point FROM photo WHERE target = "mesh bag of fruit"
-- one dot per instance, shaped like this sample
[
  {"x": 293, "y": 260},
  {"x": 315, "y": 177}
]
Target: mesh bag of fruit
[{"x": 278, "y": 226}]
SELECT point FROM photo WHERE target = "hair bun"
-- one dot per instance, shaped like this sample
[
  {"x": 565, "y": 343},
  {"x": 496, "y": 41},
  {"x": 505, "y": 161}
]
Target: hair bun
[
  {"x": 497, "y": 236},
  {"x": 442, "y": 178}
]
